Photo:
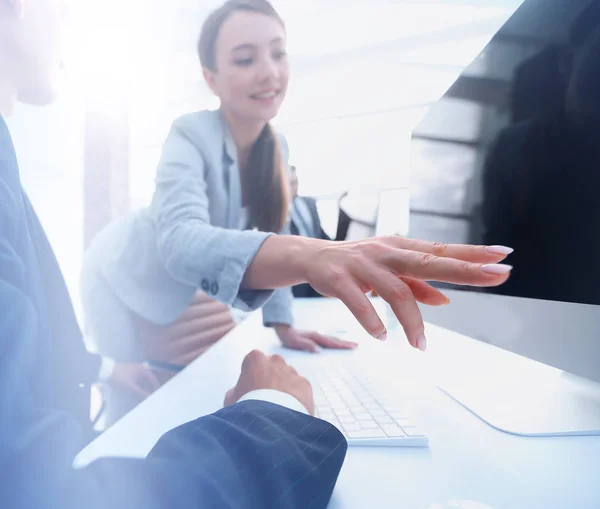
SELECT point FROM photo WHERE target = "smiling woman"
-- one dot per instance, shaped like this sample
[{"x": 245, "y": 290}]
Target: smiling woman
[
  {"x": 220, "y": 170},
  {"x": 242, "y": 52}
]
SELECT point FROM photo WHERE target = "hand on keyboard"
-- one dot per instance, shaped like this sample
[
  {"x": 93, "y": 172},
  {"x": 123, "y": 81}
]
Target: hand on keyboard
[{"x": 260, "y": 371}]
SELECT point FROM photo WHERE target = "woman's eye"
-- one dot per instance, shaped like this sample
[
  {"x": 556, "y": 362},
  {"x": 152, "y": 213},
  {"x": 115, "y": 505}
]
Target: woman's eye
[{"x": 243, "y": 62}]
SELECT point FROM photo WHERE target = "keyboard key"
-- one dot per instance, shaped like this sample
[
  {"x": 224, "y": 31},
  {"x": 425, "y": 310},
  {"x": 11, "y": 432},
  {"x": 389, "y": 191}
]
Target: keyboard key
[
  {"x": 393, "y": 431},
  {"x": 413, "y": 432},
  {"x": 366, "y": 400},
  {"x": 383, "y": 419},
  {"x": 337, "y": 404},
  {"x": 351, "y": 427},
  {"x": 403, "y": 422},
  {"x": 367, "y": 433},
  {"x": 369, "y": 425},
  {"x": 347, "y": 419},
  {"x": 327, "y": 416},
  {"x": 362, "y": 417},
  {"x": 397, "y": 415},
  {"x": 341, "y": 411},
  {"x": 377, "y": 412},
  {"x": 358, "y": 409},
  {"x": 371, "y": 404}
]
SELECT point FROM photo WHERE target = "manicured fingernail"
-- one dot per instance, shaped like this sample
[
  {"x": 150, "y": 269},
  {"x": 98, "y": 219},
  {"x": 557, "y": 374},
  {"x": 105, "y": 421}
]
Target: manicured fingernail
[
  {"x": 500, "y": 250},
  {"x": 422, "y": 343},
  {"x": 447, "y": 301},
  {"x": 382, "y": 336},
  {"x": 497, "y": 269}
]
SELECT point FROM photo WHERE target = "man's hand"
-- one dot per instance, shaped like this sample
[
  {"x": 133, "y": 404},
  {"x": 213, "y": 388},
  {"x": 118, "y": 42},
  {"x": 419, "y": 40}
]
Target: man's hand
[
  {"x": 271, "y": 372},
  {"x": 134, "y": 378},
  {"x": 310, "y": 341}
]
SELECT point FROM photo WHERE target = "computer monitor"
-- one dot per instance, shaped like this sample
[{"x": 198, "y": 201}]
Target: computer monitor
[{"x": 528, "y": 178}]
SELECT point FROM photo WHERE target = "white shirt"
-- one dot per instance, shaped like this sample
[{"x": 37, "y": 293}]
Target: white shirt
[{"x": 277, "y": 397}]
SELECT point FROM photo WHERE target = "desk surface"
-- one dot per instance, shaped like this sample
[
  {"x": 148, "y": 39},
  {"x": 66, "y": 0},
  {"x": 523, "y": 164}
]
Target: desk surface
[{"x": 468, "y": 465}]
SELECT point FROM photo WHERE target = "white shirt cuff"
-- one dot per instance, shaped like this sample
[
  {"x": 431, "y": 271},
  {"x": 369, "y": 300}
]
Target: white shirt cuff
[
  {"x": 107, "y": 367},
  {"x": 277, "y": 397}
]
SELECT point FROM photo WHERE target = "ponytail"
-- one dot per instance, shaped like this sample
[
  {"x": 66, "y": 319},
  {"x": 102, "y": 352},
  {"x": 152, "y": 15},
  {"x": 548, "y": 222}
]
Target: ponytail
[{"x": 265, "y": 186}]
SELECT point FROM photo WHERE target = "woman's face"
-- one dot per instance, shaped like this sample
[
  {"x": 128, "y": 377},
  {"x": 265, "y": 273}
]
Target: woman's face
[{"x": 251, "y": 75}]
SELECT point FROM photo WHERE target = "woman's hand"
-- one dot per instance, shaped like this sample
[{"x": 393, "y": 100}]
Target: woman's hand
[
  {"x": 204, "y": 322},
  {"x": 396, "y": 269},
  {"x": 309, "y": 340}
]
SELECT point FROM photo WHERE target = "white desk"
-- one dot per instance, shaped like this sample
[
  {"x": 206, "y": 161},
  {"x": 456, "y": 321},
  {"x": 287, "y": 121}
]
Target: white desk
[{"x": 468, "y": 464}]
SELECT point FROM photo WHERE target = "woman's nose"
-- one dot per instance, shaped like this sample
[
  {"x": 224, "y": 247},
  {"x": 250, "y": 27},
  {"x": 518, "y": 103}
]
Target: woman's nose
[{"x": 268, "y": 69}]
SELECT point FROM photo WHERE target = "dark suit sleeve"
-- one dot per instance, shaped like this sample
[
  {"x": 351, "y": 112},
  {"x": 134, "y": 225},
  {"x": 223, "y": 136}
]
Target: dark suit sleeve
[
  {"x": 257, "y": 455},
  {"x": 251, "y": 455}
]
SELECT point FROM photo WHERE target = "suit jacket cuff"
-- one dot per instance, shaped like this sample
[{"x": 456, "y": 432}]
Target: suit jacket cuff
[
  {"x": 237, "y": 262},
  {"x": 279, "y": 308}
]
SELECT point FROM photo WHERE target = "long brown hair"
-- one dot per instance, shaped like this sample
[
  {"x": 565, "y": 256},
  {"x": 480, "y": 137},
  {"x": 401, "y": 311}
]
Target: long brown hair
[{"x": 265, "y": 187}]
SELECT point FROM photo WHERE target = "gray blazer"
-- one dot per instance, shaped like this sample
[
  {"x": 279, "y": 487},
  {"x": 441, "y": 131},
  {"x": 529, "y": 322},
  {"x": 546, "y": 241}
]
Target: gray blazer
[{"x": 191, "y": 236}]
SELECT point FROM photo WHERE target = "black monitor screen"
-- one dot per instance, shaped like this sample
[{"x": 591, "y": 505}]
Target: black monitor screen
[{"x": 528, "y": 174}]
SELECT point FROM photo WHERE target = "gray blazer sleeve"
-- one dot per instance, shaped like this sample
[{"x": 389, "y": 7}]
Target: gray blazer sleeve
[
  {"x": 279, "y": 309},
  {"x": 190, "y": 248}
]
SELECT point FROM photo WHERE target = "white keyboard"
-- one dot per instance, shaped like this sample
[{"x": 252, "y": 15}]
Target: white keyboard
[{"x": 361, "y": 412}]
